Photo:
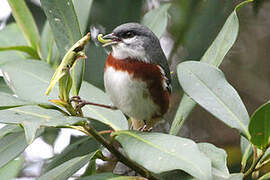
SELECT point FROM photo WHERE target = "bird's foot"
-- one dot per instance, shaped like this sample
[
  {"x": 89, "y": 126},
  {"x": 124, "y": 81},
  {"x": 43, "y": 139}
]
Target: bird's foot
[{"x": 144, "y": 128}]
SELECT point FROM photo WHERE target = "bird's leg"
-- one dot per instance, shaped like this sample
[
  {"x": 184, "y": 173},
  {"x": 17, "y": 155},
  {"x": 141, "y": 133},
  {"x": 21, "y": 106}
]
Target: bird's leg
[{"x": 82, "y": 103}]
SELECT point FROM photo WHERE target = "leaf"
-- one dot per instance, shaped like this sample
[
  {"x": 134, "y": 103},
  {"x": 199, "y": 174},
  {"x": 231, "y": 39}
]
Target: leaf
[
  {"x": 223, "y": 42},
  {"x": 33, "y": 117},
  {"x": 9, "y": 101},
  {"x": 259, "y": 126},
  {"x": 266, "y": 156},
  {"x": 69, "y": 61},
  {"x": 100, "y": 176},
  {"x": 4, "y": 87},
  {"x": 157, "y": 19},
  {"x": 214, "y": 55},
  {"x": 265, "y": 177},
  {"x": 218, "y": 160},
  {"x": 29, "y": 50},
  {"x": 12, "y": 145},
  {"x": 12, "y": 169},
  {"x": 246, "y": 150},
  {"x": 18, "y": 43},
  {"x": 29, "y": 80},
  {"x": 82, "y": 8},
  {"x": 161, "y": 152},
  {"x": 65, "y": 27},
  {"x": 11, "y": 56},
  {"x": 127, "y": 178},
  {"x": 67, "y": 169},
  {"x": 50, "y": 135},
  {"x": 236, "y": 176},
  {"x": 111, "y": 176},
  {"x": 82, "y": 146},
  {"x": 187, "y": 105},
  {"x": 9, "y": 128},
  {"x": 26, "y": 22},
  {"x": 12, "y": 30},
  {"x": 207, "y": 85},
  {"x": 49, "y": 50},
  {"x": 176, "y": 175},
  {"x": 113, "y": 118}
]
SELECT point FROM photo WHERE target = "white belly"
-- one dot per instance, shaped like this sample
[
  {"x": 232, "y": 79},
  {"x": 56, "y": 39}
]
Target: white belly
[{"x": 131, "y": 96}]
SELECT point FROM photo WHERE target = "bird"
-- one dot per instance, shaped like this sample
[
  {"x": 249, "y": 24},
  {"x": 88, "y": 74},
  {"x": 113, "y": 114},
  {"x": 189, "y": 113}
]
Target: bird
[{"x": 137, "y": 75}]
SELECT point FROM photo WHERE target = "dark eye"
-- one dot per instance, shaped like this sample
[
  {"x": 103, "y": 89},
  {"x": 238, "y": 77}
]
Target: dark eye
[{"x": 128, "y": 34}]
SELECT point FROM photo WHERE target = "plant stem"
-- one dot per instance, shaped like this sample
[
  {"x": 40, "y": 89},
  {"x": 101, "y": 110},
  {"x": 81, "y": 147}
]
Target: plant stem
[
  {"x": 256, "y": 160},
  {"x": 90, "y": 131}
]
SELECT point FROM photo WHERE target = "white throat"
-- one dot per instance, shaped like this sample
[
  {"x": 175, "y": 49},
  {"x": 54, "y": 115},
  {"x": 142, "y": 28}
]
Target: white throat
[{"x": 123, "y": 51}]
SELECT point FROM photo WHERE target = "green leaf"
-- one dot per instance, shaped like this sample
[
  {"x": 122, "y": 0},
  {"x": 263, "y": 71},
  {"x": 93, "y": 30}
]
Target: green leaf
[
  {"x": 185, "y": 107},
  {"x": 67, "y": 169},
  {"x": 113, "y": 118},
  {"x": 82, "y": 146},
  {"x": 12, "y": 169},
  {"x": 157, "y": 19},
  {"x": 111, "y": 176},
  {"x": 259, "y": 126},
  {"x": 12, "y": 145},
  {"x": 82, "y": 8},
  {"x": 29, "y": 50},
  {"x": 214, "y": 55},
  {"x": 218, "y": 160},
  {"x": 176, "y": 175},
  {"x": 29, "y": 80},
  {"x": 67, "y": 64},
  {"x": 100, "y": 176},
  {"x": 9, "y": 101},
  {"x": 49, "y": 50},
  {"x": 63, "y": 22},
  {"x": 50, "y": 134},
  {"x": 266, "y": 156},
  {"x": 12, "y": 30},
  {"x": 4, "y": 87},
  {"x": 236, "y": 176},
  {"x": 127, "y": 178},
  {"x": 33, "y": 117},
  {"x": 161, "y": 152},
  {"x": 18, "y": 43},
  {"x": 65, "y": 27},
  {"x": 265, "y": 177},
  {"x": 26, "y": 22},
  {"x": 9, "y": 128},
  {"x": 214, "y": 93},
  {"x": 11, "y": 56},
  {"x": 223, "y": 42},
  {"x": 246, "y": 150}
]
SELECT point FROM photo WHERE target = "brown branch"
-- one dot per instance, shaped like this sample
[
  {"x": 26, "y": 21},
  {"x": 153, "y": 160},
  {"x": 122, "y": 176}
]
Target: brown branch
[{"x": 90, "y": 131}]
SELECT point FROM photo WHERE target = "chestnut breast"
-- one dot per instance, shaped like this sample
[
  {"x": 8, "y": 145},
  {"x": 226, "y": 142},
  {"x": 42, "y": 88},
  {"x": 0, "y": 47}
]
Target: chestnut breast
[{"x": 144, "y": 83}]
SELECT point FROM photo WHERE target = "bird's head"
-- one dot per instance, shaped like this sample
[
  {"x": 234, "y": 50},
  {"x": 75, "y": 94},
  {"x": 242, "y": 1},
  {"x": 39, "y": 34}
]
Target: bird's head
[{"x": 133, "y": 40}]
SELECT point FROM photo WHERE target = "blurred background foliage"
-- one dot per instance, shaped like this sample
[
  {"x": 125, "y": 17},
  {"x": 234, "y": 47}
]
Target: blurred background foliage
[{"x": 192, "y": 27}]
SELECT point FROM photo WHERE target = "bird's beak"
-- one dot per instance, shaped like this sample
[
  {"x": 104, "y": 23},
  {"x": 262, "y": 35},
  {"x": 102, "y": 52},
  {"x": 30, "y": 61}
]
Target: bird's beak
[{"x": 111, "y": 38}]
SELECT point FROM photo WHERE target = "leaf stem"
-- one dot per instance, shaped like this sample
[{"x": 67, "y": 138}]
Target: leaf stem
[
  {"x": 256, "y": 160},
  {"x": 90, "y": 131}
]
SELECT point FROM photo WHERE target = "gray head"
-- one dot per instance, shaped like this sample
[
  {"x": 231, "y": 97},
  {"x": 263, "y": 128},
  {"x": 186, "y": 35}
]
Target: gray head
[{"x": 133, "y": 40}]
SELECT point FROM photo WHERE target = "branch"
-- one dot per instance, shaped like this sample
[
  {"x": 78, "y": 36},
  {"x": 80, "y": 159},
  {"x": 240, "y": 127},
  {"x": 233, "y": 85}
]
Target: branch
[
  {"x": 256, "y": 160},
  {"x": 90, "y": 131}
]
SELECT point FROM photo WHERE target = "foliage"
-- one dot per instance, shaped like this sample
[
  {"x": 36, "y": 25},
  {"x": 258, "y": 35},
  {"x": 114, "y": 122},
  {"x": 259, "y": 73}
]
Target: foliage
[{"x": 28, "y": 63}]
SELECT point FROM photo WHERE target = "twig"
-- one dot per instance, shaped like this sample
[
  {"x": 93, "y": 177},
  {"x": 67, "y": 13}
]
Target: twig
[
  {"x": 90, "y": 131},
  {"x": 256, "y": 160}
]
